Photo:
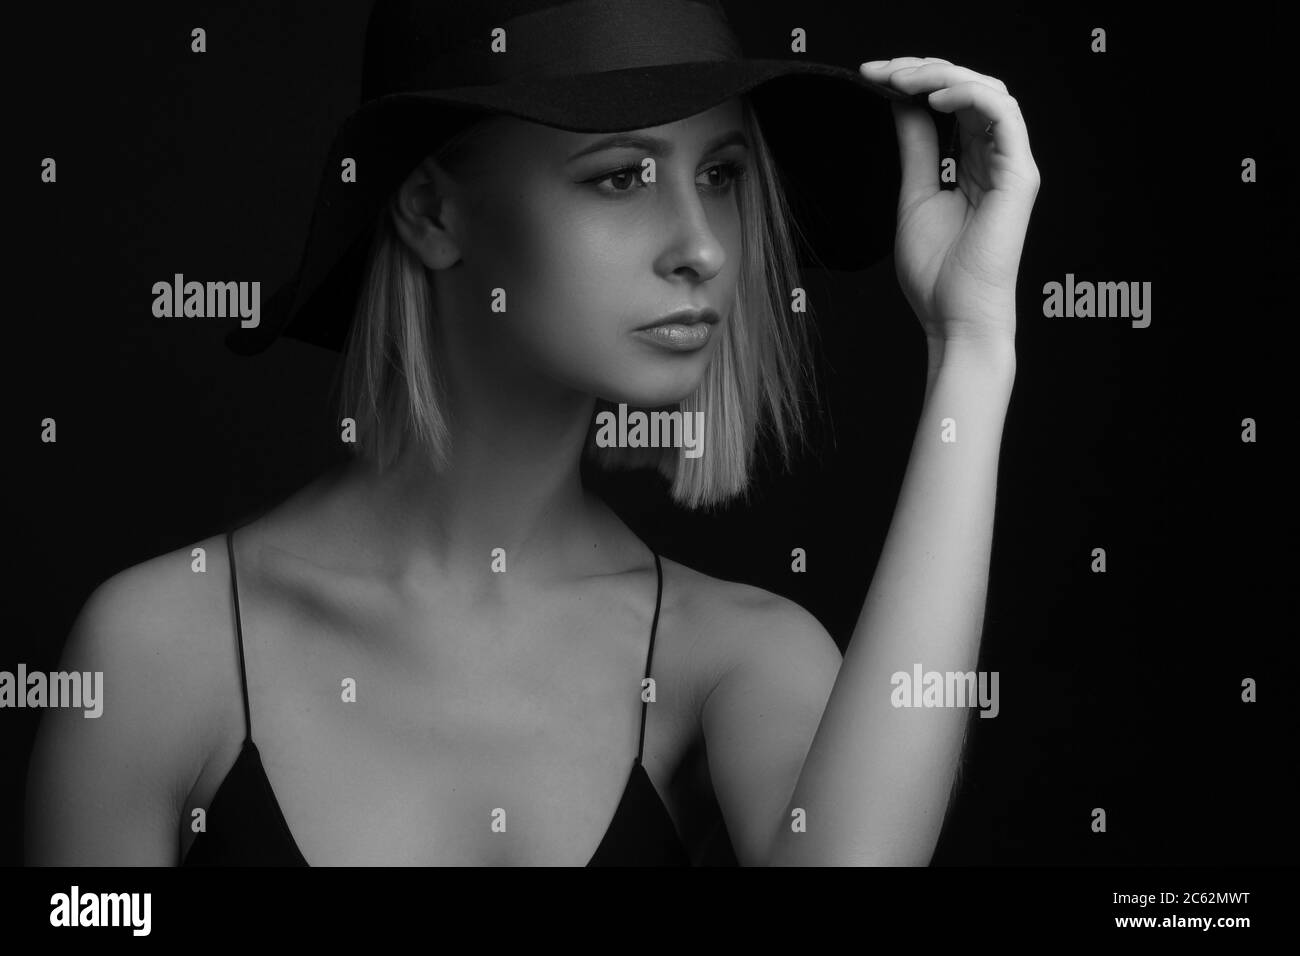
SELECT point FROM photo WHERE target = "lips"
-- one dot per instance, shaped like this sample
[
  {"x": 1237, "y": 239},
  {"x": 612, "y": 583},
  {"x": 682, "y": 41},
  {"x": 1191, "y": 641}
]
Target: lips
[{"x": 683, "y": 317}]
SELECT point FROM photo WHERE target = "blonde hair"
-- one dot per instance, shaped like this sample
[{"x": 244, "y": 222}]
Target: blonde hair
[{"x": 753, "y": 391}]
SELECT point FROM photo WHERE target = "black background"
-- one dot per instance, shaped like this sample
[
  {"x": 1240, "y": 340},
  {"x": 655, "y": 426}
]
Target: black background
[{"x": 1119, "y": 690}]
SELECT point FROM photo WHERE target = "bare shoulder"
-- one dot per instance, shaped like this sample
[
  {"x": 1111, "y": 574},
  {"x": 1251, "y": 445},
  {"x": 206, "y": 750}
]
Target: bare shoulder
[
  {"x": 172, "y": 618},
  {"x": 158, "y": 638},
  {"x": 730, "y": 624},
  {"x": 766, "y": 668}
]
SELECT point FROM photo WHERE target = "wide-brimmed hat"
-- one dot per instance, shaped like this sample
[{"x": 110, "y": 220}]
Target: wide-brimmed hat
[{"x": 433, "y": 67}]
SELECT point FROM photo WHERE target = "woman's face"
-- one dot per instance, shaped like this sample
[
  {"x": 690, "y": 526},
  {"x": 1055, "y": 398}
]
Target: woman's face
[{"x": 588, "y": 252}]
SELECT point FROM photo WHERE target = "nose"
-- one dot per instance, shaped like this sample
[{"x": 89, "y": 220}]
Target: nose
[{"x": 693, "y": 245}]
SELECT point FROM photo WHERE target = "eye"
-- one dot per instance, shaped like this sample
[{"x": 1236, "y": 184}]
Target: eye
[
  {"x": 628, "y": 176},
  {"x": 734, "y": 172}
]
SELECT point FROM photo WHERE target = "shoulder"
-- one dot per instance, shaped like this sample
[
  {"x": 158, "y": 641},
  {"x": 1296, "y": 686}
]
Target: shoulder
[
  {"x": 162, "y": 634},
  {"x": 106, "y": 783},
  {"x": 157, "y": 608},
  {"x": 769, "y": 668},
  {"x": 733, "y": 626}
]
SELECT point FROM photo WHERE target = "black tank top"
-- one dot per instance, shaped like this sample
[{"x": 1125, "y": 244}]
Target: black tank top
[{"x": 246, "y": 827}]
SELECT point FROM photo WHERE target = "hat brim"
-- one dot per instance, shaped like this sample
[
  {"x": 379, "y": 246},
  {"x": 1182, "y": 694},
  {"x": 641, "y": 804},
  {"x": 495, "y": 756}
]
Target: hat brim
[{"x": 830, "y": 134}]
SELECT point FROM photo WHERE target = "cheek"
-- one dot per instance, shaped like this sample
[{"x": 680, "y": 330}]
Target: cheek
[
  {"x": 566, "y": 269},
  {"x": 576, "y": 274}
]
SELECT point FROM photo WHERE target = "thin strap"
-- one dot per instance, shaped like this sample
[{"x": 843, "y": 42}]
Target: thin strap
[
  {"x": 640, "y": 749},
  {"x": 239, "y": 631}
]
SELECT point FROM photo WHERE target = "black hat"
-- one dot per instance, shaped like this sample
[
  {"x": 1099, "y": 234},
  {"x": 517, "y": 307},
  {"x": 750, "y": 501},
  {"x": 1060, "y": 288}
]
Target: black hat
[{"x": 433, "y": 67}]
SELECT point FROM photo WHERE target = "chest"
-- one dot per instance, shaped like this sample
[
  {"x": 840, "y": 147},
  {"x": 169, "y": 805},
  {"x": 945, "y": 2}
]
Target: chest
[{"x": 450, "y": 732}]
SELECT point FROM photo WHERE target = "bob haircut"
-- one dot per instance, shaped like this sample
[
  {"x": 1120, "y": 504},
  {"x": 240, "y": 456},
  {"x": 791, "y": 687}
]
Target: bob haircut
[{"x": 753, "y": 390}]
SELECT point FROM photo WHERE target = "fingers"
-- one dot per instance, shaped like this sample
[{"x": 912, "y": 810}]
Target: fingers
[
  {"x": 918, "y": 154},
  {"x": 876, "y": 70},
  {"x": 984, "y": 105},
  {"x": 887, "y": 71},
  {"x": 918, "y": 141},
  {"x": 877, "y": 73},
  {"x": 978, "y": 100}
]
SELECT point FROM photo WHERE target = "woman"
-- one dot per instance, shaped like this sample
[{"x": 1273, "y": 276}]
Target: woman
[{"x": 449, "y": 652}]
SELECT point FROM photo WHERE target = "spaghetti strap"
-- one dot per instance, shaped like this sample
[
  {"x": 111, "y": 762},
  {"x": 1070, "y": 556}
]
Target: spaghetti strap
[
  {"x": 654, "y": 627},
  {"x": 239, "y": 631}
]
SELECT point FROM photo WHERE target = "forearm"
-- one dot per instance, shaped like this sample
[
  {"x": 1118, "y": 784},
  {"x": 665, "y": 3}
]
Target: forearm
[{"x": 876, "y": 783}]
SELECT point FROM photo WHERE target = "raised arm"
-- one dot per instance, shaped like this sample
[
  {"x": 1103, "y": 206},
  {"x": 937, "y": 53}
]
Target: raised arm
[
  {"x": 811, "y": 762},
  {"x": 874, "y": 779}
]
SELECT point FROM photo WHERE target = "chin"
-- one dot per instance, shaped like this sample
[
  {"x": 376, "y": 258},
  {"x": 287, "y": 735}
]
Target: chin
[{"x": 656, "y": 383}]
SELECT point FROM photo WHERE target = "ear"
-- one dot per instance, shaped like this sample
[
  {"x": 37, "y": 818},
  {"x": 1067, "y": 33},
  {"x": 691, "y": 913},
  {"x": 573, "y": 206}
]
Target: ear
[{"x": 419, "y": 215}]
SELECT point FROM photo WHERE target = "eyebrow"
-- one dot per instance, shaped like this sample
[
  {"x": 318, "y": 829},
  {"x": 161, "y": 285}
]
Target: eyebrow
[{"x": 656, "y": 146}]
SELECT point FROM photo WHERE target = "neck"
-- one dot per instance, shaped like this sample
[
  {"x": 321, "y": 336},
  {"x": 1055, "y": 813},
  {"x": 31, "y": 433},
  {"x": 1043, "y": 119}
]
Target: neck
[{"x": 512, "y": 483}]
